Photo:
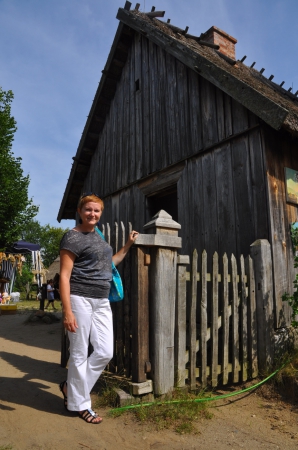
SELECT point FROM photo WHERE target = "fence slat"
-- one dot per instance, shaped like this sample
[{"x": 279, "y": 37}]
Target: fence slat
[
  {"x": 252, "y": 318},
  {"x": 235, "y": 321},
  {"x": 180, "y": 322},
  {"x": 225, "y": 322},
  {"x": 214, "y": 340},
  {"x": 116, "y": 236},
  {"x": 193, "y": 321},
  {"x": 108, "y": 236},
  {"x": 203, "y": 331},
  {"x": 243, "y": 321},
  {"x": 122, "y": 234}
]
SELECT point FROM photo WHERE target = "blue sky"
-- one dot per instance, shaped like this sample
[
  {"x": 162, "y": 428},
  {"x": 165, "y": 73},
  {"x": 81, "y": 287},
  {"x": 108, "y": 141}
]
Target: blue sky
[{"x": 52, "y": 53}]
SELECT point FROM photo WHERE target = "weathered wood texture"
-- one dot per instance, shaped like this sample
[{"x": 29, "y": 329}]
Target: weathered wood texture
[
  {"x": 280, "y": 152},
  {"x": 233, "y": 356},
  {"x": 162, "y": 114},
  {"x": 261, "y": 255},
  {"x": 140, "y": 316}
]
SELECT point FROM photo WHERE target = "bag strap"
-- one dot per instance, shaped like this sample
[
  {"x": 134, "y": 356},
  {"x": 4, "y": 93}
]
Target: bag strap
[
  {"x": 102, "y": 236},
  {"x": 100, "y": 233}
]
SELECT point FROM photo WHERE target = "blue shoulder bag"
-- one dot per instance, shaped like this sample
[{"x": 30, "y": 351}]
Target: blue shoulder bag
[{"x": 116, "y": 292}]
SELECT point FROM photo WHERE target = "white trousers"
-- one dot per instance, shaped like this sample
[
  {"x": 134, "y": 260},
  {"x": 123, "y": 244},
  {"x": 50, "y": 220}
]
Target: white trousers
[{"x": 94, "y": 319}]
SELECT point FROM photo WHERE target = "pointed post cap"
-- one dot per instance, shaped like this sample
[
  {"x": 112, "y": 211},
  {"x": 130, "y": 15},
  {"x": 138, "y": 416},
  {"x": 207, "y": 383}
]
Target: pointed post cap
[{"x": 163, "y": 224}]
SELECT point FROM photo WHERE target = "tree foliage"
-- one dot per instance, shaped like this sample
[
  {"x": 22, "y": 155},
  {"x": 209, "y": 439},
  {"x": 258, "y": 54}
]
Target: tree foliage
[
  {"x": 47, "y": 237},
  {"x": 293, "y": 299},
  {"x": 23, "y": 281},
  {"x": 16, "y": 209}
]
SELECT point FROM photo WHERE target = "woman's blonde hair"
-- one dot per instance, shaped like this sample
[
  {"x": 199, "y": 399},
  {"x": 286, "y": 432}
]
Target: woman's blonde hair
[{"x": 90, "y": 197}]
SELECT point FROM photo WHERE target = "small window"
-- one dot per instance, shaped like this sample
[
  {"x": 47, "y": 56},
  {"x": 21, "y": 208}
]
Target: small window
[{"x": 166, "y": 200}]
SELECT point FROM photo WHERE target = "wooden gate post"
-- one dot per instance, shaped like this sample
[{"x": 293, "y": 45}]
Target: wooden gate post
[
  {"x": 164, "y": 242},
  {"x": 260, "y": 252}
]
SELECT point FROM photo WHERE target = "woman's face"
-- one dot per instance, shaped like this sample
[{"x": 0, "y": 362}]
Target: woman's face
[{"x": 90, "y": 213}]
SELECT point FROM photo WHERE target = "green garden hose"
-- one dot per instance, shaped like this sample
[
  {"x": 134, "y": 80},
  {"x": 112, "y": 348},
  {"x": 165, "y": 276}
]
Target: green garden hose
[{"x": 206, "y": 399}]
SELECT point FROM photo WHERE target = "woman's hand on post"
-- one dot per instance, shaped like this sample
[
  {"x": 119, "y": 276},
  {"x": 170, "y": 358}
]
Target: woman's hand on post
[
  {"x": 132, "y": 237},
  {"x": 70, "y": 323}
]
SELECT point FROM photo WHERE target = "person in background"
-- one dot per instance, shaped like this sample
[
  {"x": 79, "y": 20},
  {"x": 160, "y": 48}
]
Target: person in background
[
  {"x": 85, "y": 281},
  {"x": 56, "y": 287},
  {"x": 39, "y": 294},
  {"x": 50, "y": 295}
]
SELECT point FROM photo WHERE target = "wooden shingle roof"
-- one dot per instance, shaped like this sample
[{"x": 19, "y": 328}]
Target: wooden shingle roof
[{"x": 269, "y": 101}]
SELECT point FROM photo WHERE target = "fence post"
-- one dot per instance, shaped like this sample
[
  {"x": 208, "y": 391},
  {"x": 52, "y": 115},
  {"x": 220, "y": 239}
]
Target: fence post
[
  {"x": 164, "y": 242},
  {"x": 260, "y": 252}
]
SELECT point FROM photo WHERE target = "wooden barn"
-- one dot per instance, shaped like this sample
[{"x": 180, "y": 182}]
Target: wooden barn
[{"x": 179, "y": 123}]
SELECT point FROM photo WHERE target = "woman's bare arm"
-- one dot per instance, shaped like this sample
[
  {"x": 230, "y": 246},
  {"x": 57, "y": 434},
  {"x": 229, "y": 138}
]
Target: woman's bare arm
[
  {"x": 66, "y": 265},
  {"x": 118, "y": 257}
]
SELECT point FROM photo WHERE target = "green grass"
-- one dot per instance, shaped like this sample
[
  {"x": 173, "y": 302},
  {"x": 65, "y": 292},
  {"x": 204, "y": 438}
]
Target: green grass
[
  {"x": 6, "y": 447},
  {"x": 182, "y": 417},
  {"x": 285, "y": 383}
]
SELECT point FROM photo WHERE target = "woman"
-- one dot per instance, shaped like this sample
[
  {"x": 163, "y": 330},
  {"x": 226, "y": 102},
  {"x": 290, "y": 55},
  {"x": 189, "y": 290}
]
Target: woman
[
  {"x": 85, "y": 278},
  {"x": 50, "y": 295}
]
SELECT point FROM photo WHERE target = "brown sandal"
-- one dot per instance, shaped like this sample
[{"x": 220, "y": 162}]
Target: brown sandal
[{"x": 87, "y": 413}]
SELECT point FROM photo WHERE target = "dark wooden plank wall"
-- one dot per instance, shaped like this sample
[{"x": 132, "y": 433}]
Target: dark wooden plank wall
[
  {"x": 280, "y": 152},
  {"x": 174, "y": 114}
]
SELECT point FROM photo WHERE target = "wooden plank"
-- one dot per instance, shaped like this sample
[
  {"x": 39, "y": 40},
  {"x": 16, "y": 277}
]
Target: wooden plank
[
  {"x": 252, "y": 330},
  {"x": 208, "y": 112},
  {"x": 162, "y": 317},
  {"x": 239, "y": 117},
  {"x": 138, "y": 104},
  {"x": 131, "y": 153},
  {"x": 243, "y": 321},
  {"x": 225, "y": 322},
  {"x": 157, "y": 104},
  {"x": 140, "y": 317},
  {"x": 171, "y": 111},
  {"x": 162, "y": 123},
  {"x": 258, "y": 185},
  {"x": 152, "y": 99},
  {"x": 125, "y": 78},
  {"x": 203, "y": 330},
  {"x": 180, "y": 324},
  {"x": 275, "y": 183},
  {"x": 261, "y": 255},
  {"x": 128, "y": 302},
  {"x": 228, "y": 115},
  {"x": 194, "y": 112},
  {"x": 146, "y": 143},
  {"x": 225, "y": 200},
  {"x": 183, "y": 116},
  {"x": 193, "y": 322},
  {"x": 242, "y": 194},
  {"x": 221, "y": 129},
  {"x": 119, "y": 138},
  {"x": 214, "y": 341},
  {"x": 235, "y": 321}
]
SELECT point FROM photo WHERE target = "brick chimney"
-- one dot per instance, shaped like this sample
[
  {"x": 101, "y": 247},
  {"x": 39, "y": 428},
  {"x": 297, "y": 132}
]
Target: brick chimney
[{"x": 226, "y": 42}]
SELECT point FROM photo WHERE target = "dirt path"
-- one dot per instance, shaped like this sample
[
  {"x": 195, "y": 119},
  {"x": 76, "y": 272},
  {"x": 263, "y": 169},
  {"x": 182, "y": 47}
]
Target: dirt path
[{"x": 32, "y": 414}]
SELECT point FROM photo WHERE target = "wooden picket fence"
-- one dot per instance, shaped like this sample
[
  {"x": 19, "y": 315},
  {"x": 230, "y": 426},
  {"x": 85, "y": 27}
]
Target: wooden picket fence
[
  {"x": 215, "y": 318},
  {"x": 220, "y": 342}
]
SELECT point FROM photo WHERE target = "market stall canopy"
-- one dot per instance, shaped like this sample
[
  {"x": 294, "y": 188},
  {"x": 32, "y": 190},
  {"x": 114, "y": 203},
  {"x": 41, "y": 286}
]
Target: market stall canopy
[{"x": 24, "y": 247}]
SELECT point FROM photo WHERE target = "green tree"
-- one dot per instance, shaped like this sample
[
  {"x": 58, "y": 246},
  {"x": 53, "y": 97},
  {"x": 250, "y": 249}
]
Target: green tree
[
  {"x": 16, "y": 209},
  {"x": 47, "y": 237},
  {"x": 23, "y": 282},
  {"x": 50, "y": 243}
]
